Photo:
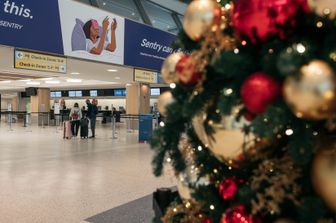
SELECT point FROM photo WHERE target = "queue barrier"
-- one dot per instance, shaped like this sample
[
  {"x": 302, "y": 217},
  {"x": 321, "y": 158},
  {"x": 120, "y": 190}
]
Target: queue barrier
[{"x": 145, "y": 123}]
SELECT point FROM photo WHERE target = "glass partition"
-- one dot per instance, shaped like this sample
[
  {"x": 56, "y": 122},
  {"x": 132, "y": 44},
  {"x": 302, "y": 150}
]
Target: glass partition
[{"x": 160, "y": 17}]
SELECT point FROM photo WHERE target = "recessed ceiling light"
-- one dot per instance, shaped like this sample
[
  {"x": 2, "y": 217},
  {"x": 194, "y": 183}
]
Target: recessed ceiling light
[
  {"x": 52, "y": 82},
  {"x": 112, "y": 70},
  {"x": 33, "y": 83},
  {"x": 25, "y": 80},
  {"x": 74, "y": 73},
  {"x": 74, "y": 80},
  {"x": 5, "y": 82},
  {"x": 133, "y": 14},
  {"x": 104, "y": 3},
  {"x": 117, "y": 78}
]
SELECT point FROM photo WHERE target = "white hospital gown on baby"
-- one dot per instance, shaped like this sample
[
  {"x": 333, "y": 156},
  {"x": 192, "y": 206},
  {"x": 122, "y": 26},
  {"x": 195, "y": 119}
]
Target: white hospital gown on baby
[{"x": 90, "y": 45}]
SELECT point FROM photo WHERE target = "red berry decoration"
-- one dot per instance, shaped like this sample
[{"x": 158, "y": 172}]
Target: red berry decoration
[
  {"x": 257, "y": 20},
  {"x": 258, "y": 91},
  {"x": 238, "y": 214},
  {"x": 186, "y": 72},
  {"x": 228, "y": 189}
]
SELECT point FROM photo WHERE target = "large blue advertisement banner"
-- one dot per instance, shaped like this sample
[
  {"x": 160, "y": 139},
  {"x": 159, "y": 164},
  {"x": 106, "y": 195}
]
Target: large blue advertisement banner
[
  {"x": 145, "y": 46},
  {"x": 31, "y": 24}
]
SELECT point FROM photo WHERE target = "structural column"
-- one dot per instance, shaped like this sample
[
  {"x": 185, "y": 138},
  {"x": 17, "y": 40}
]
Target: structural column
[
  {"x": 137, "y": 99},
  {"x": 40, "y": 105}
]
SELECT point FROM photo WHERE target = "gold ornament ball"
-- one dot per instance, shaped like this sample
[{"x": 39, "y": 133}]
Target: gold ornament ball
[
  {"x": 324, "y": 172},
  {"x": 227, "y": 141},
  {"x": 323, "y": 7},
  {"x": 199, "y": 16},
  {"x": 311, "y": 95},
  {"x": 168, "y": 68},
  {"x": 182, "y": 187},
  {"x": 164, "y": 100},
  {"x": 190, "y": 175}
]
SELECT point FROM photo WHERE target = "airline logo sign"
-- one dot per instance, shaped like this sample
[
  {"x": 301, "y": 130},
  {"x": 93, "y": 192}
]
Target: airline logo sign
[
  {"x": 145, "y": 76},
  {"x": 39, "y": 62}
]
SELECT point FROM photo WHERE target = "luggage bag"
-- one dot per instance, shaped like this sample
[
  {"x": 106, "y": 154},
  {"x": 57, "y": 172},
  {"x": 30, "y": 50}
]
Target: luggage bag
[
  {"x": 84, "y": 128},
  {"x": 67, "y": 134}
]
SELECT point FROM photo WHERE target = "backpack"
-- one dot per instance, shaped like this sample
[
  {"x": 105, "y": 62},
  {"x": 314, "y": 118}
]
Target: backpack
[{"x": 75, "y": 115}]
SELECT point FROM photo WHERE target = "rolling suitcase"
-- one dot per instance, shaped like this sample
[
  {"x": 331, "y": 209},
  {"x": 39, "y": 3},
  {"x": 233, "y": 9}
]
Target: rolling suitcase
[
  {"x": 67, "y": 134},
  {"x": 84, "y": 128}
]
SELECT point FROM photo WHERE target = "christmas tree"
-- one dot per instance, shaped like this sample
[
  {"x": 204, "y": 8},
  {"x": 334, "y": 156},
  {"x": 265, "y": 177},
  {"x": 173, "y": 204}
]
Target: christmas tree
[{"x": 250, "y": 120}]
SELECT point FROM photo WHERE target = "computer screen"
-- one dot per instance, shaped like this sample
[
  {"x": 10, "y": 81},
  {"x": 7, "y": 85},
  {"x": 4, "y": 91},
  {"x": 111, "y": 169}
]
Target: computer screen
[
  {"x": 72, "y": 93},
  {"x": 79, "y": 94},
  {"x": 53, "y": 94},
  {"x": 93, "y": 93},
  {"x": 155, "y": 91},
  {"x": 120, "y": 92},
  {"x": 58, "y": 94}
]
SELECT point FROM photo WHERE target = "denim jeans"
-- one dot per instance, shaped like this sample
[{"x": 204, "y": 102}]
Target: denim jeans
[{"x": 93, "y": 126}]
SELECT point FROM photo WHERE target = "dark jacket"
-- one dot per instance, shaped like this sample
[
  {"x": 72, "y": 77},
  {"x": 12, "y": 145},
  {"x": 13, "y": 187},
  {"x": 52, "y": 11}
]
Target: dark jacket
[{"x": 92, "y": 111}]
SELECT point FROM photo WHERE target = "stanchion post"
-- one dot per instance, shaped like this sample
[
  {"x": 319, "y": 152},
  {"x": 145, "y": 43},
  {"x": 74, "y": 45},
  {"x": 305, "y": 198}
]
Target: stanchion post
[
  {"x": 48, "y": 114},
  {"x": 42, "y": 120},
  {"x": 10, "y": 115},
  {"x": 113, "y": 127}
]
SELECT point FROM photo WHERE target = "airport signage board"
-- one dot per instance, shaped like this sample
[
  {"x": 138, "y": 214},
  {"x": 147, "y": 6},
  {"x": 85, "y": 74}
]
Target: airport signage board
[
  {"x": 53, "y": 26},
  {"x": 81, "y": 41},
  {"x": 146, "y": 46},
  {"x": 39, "y": 62},
  {"x": 31, "y": 25},
  {"x": 145, "y": 76}
]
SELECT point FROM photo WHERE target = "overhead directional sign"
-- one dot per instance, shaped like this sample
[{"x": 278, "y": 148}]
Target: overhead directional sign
[
  {"x": 40, "y": 62},
  {"x": 145, "y": 76}
]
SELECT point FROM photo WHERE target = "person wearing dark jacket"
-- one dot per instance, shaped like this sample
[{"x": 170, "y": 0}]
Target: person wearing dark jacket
[{"x": 92, "y": 114}]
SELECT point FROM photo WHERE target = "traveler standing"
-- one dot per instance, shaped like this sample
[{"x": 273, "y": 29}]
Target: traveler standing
[
  {"x": 75, "y": 116},
  {"x": 92, "y": 114}
]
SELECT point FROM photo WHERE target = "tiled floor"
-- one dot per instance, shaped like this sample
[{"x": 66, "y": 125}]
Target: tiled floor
[{"x": 45, "y": 179}]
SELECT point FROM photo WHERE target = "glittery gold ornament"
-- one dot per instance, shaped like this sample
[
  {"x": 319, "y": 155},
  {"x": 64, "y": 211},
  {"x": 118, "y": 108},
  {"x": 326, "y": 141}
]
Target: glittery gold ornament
[
  {"x": 227, "y": 140},
  {"x": 323, "y": 7},
  {"x": 168, "y": 68},
  {"x": 324, "y": 172},
  {"x": 164, "y": 100},
  {"x": 311, "y": 95},
  {"x": 200, "y": 16}
]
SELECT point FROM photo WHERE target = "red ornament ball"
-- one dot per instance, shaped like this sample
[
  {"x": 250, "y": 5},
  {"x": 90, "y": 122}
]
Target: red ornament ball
[
  {"x": 206, "y": 220},
  {"x": 186, "y": 71},
  {"x": 249, "y": 116},
  {"x": 258, "y": 91},
  {"x": 257, "y": 20},
  {"x": 238, "y": 214},
  {"x": 228, "y": 189}
]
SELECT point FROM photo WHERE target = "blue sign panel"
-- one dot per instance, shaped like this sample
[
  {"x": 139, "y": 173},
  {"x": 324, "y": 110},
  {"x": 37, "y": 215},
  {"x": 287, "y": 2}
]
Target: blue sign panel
[
  {"x": 145, "y": 46},
  {"x": 31, "y": 24}
]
